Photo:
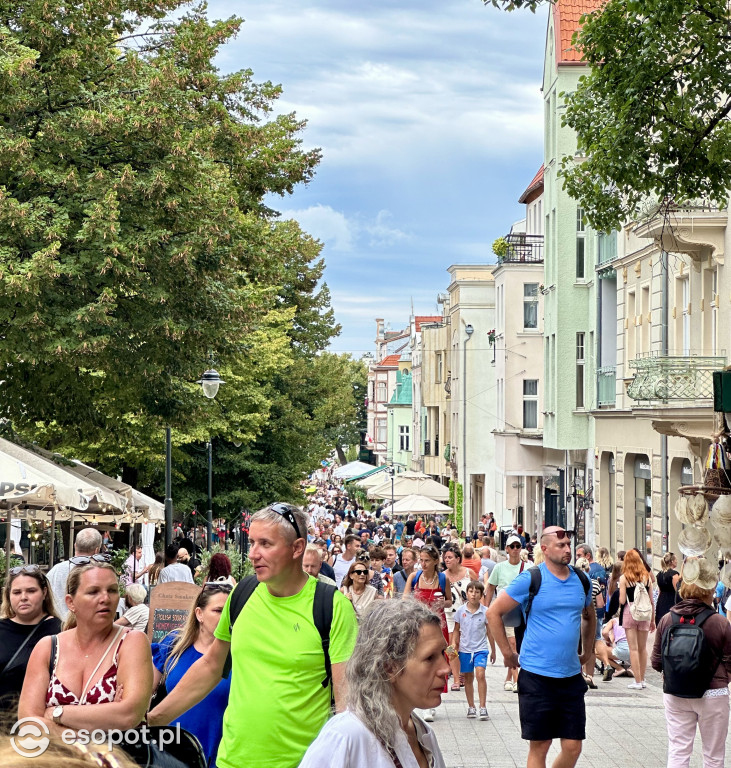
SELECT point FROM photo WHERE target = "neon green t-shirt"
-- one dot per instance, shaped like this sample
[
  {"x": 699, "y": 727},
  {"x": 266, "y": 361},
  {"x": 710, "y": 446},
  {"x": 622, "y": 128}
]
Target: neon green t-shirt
[{"x": 277, "y": 704}]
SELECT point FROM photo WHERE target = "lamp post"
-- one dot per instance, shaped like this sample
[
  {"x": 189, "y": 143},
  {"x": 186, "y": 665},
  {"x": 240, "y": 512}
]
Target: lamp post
[
  {"x": 210, "y": 381},
  {"x": 168, "y": 489},
  {"x": 392, "y": 472}
]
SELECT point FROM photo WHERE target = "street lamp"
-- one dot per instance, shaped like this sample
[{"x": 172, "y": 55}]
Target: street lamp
[{"x": 210, "y": 381}]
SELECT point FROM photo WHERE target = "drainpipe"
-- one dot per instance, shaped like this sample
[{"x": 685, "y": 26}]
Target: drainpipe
[
  {"x": 469, "y": 330},
  {"x": 664, "y": 438}
]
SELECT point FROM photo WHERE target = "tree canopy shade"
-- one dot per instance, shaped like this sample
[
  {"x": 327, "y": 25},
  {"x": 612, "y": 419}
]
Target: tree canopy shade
[{"x": 135, "y": 240}]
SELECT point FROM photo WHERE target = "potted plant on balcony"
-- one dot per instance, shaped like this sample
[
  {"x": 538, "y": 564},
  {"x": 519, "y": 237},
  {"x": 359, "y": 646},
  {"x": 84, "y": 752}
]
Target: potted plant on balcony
[
  {"x": 491, "y": 336},
  {"x": 500, "y": 247}
]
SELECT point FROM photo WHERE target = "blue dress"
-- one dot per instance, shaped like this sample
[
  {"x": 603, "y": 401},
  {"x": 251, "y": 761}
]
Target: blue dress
[{"x": 205, "y": 719}]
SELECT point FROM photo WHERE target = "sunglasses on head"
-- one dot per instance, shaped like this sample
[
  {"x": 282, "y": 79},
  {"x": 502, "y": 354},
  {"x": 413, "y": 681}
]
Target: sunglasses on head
[
  {"x": 217, "y": 586},
  {"x": 25, "y": 569},
  {"x": 360, "y": 572},
  {"x": 561, "y": 534},
  {"x": 287, "y": 512},
  {"x": 86, "y": 559}
]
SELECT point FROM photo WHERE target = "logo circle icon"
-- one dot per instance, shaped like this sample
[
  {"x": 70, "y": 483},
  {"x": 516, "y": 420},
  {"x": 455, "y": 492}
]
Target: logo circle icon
[{"x": 29, "y": 737}]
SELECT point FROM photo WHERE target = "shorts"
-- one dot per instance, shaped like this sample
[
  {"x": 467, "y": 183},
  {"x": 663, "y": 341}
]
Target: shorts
[
  {"x": 468, "y": 661},
  {"x": 629, "y": 623},
  {"x": 551, "y": 707},
  {"x": 621, "y": 651}
]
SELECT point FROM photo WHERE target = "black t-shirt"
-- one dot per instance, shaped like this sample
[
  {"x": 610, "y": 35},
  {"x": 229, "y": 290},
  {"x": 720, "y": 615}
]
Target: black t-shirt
[
  {"x": 410, "y": 526},
  {"x": 12, "y": 636}
]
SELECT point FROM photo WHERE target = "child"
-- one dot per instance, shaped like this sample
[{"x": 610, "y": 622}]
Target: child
[{"x": 470, "y": 640}]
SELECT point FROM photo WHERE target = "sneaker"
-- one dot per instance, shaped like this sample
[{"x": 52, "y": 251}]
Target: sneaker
[
  {"x": 472, "y": 712},
  {"x": 429, "y": 715},
  {"x": 635, "y": 686},
  {"x": 643, "y": 684},
  {"x": 483, "y": 714},
  {"x": 608, "y": 673},
  {"x": 515, "y": 687},
  {"x": 508, "y": 686}
]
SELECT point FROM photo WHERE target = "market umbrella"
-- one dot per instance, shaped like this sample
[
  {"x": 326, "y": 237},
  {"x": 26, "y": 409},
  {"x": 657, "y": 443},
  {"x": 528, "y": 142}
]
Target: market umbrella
[
  {"x": 417, "y": 504},
  {"x": 405, "y": 485},
  {"x": 353, "y": 469}
]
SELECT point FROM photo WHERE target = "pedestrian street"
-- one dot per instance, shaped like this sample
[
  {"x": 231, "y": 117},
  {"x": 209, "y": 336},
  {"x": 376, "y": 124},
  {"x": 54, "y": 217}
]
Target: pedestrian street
[{"x": 624, "y": 729}]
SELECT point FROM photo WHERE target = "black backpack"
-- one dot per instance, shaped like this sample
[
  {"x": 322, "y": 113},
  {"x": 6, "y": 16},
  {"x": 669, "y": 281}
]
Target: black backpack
[
  {"x": 322, "y": 616},
  {"x": 688, "y": 662}
]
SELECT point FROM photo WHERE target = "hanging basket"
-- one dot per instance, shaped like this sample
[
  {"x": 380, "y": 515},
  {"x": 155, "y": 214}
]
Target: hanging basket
[{"x": 711, "y": 492}]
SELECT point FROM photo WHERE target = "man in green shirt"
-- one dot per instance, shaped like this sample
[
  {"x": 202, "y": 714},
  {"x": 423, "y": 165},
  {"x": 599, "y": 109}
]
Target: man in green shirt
[{"x": 277, "y": 704}]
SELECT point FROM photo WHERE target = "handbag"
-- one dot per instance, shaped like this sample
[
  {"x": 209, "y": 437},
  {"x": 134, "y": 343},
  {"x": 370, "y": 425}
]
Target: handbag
[
  {"x": 514, "y": 617},
  {"x": 181, "y": 748}
]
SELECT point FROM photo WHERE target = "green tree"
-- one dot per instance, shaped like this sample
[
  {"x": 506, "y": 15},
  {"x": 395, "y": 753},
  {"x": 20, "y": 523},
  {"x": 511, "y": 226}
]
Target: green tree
[
  {"x": 134, "y": 236},
  {"x": 652, "y": 116}
]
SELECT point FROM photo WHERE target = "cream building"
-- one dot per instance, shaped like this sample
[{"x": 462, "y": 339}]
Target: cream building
[{"x": 664, "y": 309}]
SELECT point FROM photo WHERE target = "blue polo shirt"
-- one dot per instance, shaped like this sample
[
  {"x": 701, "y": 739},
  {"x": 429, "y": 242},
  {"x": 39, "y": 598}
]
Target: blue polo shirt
[{"x": 551, "y": 640}]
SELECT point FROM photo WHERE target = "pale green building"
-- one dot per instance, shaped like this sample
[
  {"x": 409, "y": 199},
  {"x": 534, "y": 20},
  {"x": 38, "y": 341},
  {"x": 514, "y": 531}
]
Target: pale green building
[{"x": 400, "y": 420}]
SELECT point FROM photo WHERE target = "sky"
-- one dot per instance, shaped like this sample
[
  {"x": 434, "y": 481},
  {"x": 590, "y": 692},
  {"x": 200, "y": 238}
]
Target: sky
[{"x": 430, "y": 120}]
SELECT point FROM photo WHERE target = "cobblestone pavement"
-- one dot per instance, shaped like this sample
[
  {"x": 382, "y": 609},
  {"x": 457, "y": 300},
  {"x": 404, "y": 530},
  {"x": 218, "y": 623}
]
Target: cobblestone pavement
[{"x": 624, "y": 728}]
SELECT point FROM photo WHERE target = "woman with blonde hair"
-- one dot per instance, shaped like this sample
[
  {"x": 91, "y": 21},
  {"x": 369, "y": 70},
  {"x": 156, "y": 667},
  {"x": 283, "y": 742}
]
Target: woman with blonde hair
[
  {"x": 94, "y": 674},
  {"x": 176, "y": 653},
  {"x": 667, "y": 584},
  {"x": 634, "y": 572},
  {"x": 604, "y": 558}
]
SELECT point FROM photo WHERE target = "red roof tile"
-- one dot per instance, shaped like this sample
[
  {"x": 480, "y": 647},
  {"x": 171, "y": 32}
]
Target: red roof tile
[
  {"x": 419, "y": 319},
  {"x": 391, "y": 361},
  {"x": 566, "y": 15},
  {"x": 536, "y": 184}
]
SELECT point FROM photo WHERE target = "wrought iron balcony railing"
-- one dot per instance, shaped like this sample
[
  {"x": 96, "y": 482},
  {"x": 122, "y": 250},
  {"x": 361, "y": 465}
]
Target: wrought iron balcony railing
[
  {"x": 674, "y": 378},
  {"x": 523, "y": 248},
  {"x": 606, "y": 378}
]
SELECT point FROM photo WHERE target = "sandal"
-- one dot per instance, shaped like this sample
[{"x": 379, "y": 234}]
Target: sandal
[{"x": 455, "y": 687}]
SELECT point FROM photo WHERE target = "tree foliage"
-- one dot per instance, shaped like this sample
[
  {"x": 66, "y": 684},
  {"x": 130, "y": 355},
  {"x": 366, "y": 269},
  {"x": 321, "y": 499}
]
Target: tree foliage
[
  {"x": 135, "y": 240},
  {"x": 512, "y": 5},
  {"x": 652, "y": 117}
]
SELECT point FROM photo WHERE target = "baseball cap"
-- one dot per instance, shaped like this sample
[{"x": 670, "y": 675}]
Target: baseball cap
[{"x": 513, "y": 540}]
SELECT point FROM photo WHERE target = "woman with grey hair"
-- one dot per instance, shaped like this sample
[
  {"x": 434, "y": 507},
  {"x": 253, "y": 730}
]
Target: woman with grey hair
[{"x": 398, "y": 665}]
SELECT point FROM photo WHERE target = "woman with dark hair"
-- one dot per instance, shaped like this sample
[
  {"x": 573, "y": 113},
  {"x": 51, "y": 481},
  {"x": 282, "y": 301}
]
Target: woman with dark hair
[
  {"x": 357, "y": 589},
  {"x": 154, "y": 573},
  {"x": 219, "y": 569},
  {"x": 178, "y": 651},
  {"x": 94, "y": 674},
  {"x": 397, "y": 666},
  {"x": 635, "y": 572},
  {"x": 28, "y": 614}
]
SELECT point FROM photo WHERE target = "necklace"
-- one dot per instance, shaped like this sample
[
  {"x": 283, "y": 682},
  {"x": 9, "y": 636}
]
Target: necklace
[
  {"x": 86, "y": 655},
  {"x": 430, "y": 582}
]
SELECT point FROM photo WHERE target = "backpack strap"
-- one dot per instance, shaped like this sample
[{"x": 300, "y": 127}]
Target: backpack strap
[
  {"x": 442, "y": 581},
  {"x": 583, "y": 578},
  {"x": 322, "y": 614},
  {"x": 535, "y": 584},
  {"x": 239, "y": 597}
]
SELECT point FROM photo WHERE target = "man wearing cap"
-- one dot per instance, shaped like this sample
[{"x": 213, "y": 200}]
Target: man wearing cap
[
  {"x": 502, "y": 575},
  {"x": 551, "y": 687}
]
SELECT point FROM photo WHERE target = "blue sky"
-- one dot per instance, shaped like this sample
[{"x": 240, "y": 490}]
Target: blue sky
[{"x": 430, "y": 119}]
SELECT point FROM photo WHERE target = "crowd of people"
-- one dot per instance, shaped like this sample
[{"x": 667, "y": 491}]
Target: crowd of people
[{"x": 351, "y": 612}]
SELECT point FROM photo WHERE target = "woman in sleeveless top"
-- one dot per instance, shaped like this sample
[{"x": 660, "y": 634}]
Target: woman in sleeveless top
[
  {"x": 96, "y": 674},
  {"x": 634, "y": 571},
  {"x": 667, "y": 583},
  {"x": 459, "y": 577}
]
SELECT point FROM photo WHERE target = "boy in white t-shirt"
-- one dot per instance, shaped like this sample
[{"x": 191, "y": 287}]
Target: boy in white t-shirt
[{"x": 470, "y": 641}]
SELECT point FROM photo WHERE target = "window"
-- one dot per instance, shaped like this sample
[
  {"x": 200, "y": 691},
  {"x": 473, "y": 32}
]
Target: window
[
  {"x": 381, "y": 393},
  {"x": 530, "y": 305},
  {"x": 685, "y": 286},
  {"x": 403, "y": 438},
  {"x": 530, "y": 403},
  {"x": 440, "y": 368},
  {"x": 580, "y": 244},
  {"x": 580, "y": 370},
  {"x": 381, "y": 431}
]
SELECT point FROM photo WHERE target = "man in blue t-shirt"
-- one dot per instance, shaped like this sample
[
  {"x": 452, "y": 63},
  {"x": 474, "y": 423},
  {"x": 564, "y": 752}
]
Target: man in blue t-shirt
[{"x": 551, "y": 687}]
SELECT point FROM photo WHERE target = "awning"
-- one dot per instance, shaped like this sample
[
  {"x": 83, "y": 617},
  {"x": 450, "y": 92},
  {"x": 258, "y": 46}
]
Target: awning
[
  {"x": 369, "y": 473},
  {"x": 351, "y": 470}
]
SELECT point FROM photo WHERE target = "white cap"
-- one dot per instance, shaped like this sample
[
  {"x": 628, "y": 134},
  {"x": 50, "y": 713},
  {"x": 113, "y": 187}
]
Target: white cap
[{"x": 513, "y": 540}]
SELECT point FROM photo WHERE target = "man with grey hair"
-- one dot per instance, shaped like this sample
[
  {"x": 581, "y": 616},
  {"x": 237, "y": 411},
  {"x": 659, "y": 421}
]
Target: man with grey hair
[
  {"x": 88, "y": 543},
  {"x": 312, "y": 564},
  {"x": 276, "y": 653}
]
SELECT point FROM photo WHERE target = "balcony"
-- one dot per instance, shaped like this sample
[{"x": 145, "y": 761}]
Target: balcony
[
  {"x": 522, "y": 249},
  {"x": 606, "y": 378},
  {"x": 697, "y": 229},
  {"x": 606, "y": 253},
  {"x": 679, "y": 380}
]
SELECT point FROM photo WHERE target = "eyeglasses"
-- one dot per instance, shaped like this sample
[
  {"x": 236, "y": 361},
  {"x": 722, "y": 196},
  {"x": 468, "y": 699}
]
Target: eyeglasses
[
  {"x": 562, "y": 534},
  {"x": 217, "y": 586},
  {"x": 513, "y": 546},
  {"x": 360, "y": 572},
  {"x": 25, "y": 569},
  {"x": 86, "y": 559},
  {"x": 286, "y": 511}
]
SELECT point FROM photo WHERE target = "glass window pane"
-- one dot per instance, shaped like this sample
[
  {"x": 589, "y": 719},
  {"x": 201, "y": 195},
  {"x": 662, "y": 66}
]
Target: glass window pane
[
  {"x": 580, "y": 268},
  {"x": 530, "y": 289},
  {"x": 530, "y": 314},
  {"x": 530, "y": 414},
  {"x": 530, "y": 387}
]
